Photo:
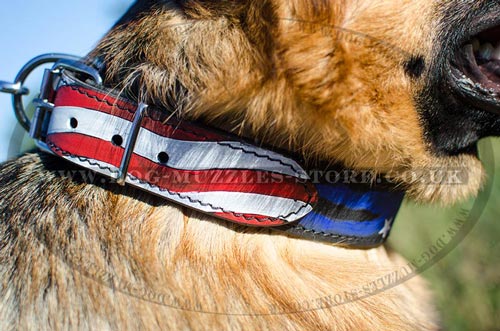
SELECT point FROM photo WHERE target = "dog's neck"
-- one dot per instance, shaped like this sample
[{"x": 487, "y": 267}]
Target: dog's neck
[{"x": 223, "y": 175}]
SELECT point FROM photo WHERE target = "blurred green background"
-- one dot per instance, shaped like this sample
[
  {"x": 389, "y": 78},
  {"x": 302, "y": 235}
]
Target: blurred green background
[{"x": 466, "y": 282}]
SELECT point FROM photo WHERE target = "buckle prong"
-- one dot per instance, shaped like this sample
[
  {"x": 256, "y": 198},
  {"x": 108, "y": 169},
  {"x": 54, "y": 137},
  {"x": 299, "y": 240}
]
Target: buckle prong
[
  {"x": 130, "y": 144},
  {"x": 13, "y": 88}
]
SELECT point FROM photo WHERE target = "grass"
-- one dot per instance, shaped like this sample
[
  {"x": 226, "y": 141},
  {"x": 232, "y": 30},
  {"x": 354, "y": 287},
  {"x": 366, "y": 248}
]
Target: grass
[{"x": 466, "y": 282}]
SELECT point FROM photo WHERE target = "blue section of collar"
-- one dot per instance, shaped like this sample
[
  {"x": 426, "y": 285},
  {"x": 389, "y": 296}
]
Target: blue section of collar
[
  {"x": 366, "y": 198},
  {"x": 356, "y": 216},
  {"x": 325, "y": 224}
]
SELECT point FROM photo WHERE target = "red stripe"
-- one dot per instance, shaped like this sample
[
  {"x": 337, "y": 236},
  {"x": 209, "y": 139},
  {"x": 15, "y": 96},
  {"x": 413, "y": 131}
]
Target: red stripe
[
  {"x": 250, "y": 219},
  {"x": 75, "y": 96},
  {"x": 178, "y": 180}
]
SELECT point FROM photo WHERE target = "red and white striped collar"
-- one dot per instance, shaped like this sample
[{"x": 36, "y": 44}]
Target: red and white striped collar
[{"x": 200, "y": 167}]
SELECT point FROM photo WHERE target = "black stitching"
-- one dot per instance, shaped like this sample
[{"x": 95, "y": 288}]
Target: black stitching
[
  {"x": 80, "y": 158},
  {"x": 225, "y": 144},
  {"x": 218, "y": 208},
  {"x": 94, "y": 97},
  {"x": 348, "y": 239},
  {"x": 340, "y": 238},
  {"x": 260, "y": 220},
  {"x": 306, "y": 188}
]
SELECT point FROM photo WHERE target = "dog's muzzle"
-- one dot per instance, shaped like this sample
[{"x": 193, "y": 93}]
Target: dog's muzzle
[
  {"x": 475, "y": 71},
  {"x": 194, "y": 165}
]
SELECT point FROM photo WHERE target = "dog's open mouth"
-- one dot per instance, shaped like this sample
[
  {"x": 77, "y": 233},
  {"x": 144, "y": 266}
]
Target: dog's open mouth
[{"x": 475, "y": 70}]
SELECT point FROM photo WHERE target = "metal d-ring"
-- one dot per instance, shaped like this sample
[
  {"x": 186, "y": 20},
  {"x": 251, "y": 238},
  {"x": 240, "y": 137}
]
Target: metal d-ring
[{"x": 18, "y": 90}]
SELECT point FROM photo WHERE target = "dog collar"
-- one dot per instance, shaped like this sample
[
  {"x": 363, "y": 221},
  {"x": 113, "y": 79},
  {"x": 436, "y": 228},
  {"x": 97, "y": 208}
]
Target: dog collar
[{"x": 200, "y": 167}]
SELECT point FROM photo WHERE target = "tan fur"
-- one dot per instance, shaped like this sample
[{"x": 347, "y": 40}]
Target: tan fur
[
  {"x": 81, "y": 256},
  {"x": 99, "y": 259},
  {"x": 330, "y": 84}
]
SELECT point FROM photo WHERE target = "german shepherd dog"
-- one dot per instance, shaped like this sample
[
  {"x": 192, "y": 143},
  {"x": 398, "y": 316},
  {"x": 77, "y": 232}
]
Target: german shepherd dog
[{"x": 369, "y": 84}]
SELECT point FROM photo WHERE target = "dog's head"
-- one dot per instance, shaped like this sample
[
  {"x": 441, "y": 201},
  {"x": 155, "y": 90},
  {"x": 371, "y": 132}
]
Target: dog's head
[{"x": 386, "y": 85}]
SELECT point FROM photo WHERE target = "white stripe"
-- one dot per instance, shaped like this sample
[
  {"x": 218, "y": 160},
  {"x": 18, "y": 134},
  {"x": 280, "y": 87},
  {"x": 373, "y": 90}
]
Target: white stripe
[
  {"x": 251, "y": 203},
  {"x": 214, "y": 202},
  {"x": 185, "y": 155}
]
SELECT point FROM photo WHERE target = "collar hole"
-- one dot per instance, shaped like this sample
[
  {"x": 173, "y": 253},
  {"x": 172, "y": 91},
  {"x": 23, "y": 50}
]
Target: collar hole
[
  {"x": 117, "y": 140},
  {"x": 73, "y": 122},
  {"x": 163, "y": 158}
]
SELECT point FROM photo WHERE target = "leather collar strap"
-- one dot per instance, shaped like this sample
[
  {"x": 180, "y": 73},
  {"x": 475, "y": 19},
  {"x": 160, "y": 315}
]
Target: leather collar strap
[{"x": 208, "y": 170}]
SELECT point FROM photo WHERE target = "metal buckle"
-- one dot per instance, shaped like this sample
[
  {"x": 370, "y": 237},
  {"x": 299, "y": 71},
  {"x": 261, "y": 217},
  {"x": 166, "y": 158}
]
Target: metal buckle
[
  {"x": 38, "y": 125},
  {"x": 44, "y": 102},
  {"x": 62, "y": 61},
  {"x": 130, "y": 144},
  {"x": 18, "y": 90}
]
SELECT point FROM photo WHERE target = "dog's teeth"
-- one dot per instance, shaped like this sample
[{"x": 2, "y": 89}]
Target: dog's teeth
[
  {"x": 496, "y": 53},
  {"x": 486, "y": 50},
  {"x": 476, "y": 44}
]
